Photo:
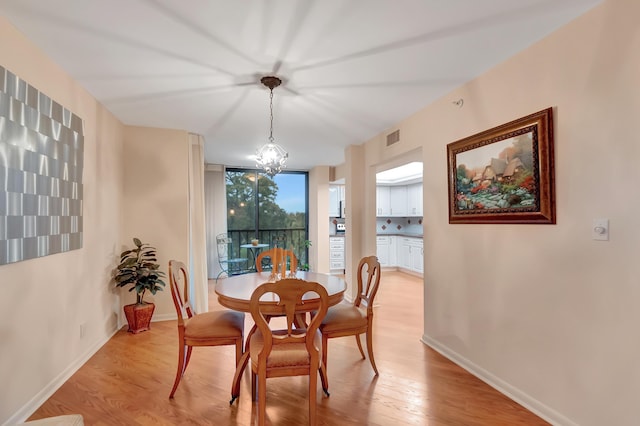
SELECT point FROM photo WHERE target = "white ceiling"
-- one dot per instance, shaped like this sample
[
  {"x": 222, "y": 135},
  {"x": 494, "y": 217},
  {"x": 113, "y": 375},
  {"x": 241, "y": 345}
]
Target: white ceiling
[
  {"x": 406, "y": 172},
  {"x": 352, "y": 68}
]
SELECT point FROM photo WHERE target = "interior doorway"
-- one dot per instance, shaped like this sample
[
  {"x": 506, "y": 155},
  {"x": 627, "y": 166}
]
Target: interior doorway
[{"x": 399, "y": 226}]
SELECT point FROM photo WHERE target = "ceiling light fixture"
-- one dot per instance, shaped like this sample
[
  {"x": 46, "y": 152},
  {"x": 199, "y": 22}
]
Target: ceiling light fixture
[{"x": 271, "y": 157}]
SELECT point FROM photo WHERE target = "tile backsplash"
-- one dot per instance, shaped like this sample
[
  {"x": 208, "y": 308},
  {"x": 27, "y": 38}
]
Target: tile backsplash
[
  {"x": 389, "y": 225},
  {"x": 399, "y": 225}
]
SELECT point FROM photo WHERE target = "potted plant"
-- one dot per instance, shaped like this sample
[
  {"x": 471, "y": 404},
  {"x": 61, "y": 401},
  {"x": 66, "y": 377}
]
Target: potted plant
[
  {"x": 305, "y": 265},
  {"x": 138, "y": 268}
]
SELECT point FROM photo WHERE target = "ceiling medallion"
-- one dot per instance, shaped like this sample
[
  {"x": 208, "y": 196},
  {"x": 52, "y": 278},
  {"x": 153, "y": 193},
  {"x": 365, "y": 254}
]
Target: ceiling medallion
[{"x": 271, "y": 157}]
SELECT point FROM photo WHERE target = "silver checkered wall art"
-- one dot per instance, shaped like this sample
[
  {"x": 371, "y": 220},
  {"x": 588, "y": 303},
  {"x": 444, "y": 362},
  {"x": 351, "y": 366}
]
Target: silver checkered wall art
[{"x": 41, "y": 162}]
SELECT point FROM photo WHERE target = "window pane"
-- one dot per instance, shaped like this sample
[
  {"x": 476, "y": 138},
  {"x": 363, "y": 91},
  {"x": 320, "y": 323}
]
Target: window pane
[
  {"x": 241, "y": 204},
  {"x": 280, "y": 219},
  {"x": 282, "y": 201}
]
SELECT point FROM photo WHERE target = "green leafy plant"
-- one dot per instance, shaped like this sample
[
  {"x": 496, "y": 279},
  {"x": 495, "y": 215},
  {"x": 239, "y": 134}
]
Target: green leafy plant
[
  {"x": 305, "y": 266},
  {"x": 138, "y": 268}
]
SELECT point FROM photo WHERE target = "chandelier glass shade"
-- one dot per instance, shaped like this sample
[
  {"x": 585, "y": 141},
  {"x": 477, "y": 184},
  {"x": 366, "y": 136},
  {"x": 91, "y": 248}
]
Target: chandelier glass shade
[{"x": 271, "y": 157}]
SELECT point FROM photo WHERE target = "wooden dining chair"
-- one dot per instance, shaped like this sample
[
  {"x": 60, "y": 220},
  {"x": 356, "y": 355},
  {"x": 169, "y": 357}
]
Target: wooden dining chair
[
  {"x": 276, "y": 256},
  {"x": 345, "y": 319},
  {"x": 290, "y": 351},
  {"x": 214, "y": 328}
]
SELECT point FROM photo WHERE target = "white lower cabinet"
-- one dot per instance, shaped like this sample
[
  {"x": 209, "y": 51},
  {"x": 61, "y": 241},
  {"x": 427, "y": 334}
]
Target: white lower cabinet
[
  {"x": 411, "y": 254},
  {"x": 402, "y": 252},
  {"x": 336, "y": 253},
  {"x": 393, "y": 250},
  {"x": 383, "y": 251},
  {"x": 417, "y": 256},
  {"x": 404, "y": 257}
]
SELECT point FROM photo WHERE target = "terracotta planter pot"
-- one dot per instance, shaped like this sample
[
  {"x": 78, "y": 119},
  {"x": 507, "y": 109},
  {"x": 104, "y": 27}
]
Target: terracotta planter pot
[{"x": 139, "y": 316}]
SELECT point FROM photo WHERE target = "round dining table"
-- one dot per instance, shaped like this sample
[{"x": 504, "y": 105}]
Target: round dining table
[{"x": 235, "y": 293}]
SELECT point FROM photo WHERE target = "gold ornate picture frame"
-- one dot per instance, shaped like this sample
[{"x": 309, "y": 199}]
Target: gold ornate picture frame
[{"x": 504, "y": 174}]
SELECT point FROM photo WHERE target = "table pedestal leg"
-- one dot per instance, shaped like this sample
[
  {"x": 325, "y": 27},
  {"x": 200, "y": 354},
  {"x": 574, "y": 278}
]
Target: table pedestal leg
[{"x": 235, "y": 386}]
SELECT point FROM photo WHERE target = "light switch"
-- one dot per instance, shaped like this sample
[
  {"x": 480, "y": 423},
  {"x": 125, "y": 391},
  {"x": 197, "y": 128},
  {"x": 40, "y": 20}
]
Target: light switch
[{"x": 600, "y": 230}]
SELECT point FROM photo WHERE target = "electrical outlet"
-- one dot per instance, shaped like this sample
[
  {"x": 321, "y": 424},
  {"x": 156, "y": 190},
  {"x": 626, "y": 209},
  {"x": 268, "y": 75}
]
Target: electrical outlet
[{"x": 83, "y": 329}]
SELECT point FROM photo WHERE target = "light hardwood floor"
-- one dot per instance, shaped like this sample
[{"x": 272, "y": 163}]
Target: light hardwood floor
[{"x": 127, "y": 382}]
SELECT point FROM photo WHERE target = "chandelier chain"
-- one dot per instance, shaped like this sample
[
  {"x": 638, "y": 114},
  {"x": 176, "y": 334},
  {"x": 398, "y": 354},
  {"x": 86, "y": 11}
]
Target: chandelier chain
[
  {"x": 271, "y": 115},
  {"x": 271, "y": 157}
]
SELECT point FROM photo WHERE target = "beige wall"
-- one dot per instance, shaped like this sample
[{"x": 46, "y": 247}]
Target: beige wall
[
  {"x": 136, "y": 183},
  {"x": 156, "y": 201},
  {"x": 46, "y": 300},
  {"x": 543, "y": 312}
]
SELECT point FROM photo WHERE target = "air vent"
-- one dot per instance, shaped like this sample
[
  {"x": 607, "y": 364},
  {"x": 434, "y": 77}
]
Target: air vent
[{"x": 393, "y": 137}]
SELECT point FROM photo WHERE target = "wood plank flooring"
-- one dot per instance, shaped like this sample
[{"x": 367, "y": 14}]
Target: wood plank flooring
[{"x": 127, "y": 382}]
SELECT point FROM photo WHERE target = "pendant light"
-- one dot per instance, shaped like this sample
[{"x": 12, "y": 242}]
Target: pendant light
[{"x": 271, "y": 157}]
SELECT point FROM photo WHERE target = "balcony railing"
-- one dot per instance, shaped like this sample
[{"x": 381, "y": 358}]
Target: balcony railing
[{"x": 291, "y": 239}]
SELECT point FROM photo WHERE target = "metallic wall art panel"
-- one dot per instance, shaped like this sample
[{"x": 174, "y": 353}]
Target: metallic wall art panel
[{"x": 41, "y": 163}]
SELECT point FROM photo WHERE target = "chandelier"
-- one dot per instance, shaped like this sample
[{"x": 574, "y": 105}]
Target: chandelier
[{"x": 271, "y": 157}]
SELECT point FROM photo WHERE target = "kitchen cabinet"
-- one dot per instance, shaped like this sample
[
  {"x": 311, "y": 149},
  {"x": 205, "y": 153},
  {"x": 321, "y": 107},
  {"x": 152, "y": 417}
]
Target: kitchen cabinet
[
  {"x": 383, "y": 250},
  {"x": 383, "y": 201},
  {"x": 411, "y": 254},
  {"x": 393, "y": 250},
  {"x": 336, "y": 254},
  {"x": 401, "y": 200},
  {"x": 414, "y": 199},
  {"x": 398, "y": 200},
  {"x": 334, "y": 200},
  {"x": 417, "y": 255},
  {"x": 404, "y": 254}
]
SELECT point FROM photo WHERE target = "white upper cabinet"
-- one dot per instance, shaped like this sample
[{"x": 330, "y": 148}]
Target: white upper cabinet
[
  {"x": 382, "y": 201},
  {"x": 414, "y": 199},
  {"x": 334, "y": 200},
  {"x": 398, "y": 201}
]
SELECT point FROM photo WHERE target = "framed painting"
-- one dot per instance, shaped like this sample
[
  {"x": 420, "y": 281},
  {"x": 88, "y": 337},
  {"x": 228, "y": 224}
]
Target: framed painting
[{"x": 504, "y": 174}]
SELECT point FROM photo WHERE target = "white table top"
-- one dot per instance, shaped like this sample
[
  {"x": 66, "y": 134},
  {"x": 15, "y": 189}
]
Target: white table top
[{"x": 251, "y": 246}]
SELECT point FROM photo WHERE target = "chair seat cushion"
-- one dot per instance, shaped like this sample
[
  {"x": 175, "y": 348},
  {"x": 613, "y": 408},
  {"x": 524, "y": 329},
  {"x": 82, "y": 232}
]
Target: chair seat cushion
[
  {"x": 214, "y": 324},
  {"x": 343, "y": 316},
  {"x": 285, "y": 355}
]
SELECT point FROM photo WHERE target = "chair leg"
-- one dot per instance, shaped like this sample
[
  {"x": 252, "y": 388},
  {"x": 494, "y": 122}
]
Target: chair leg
[
  {"x": 325, "y": 349},
  {"x": 370, "y": 349},
  {"x": 235, "y": 387},
  {"x": 238, "y": 350},
  {"x": 181, "y": 368},
  {"x": 186, "y": 364},
  {"x": 324, "y": 379},
  {"x": 262, "y": 399},
  {"x": 253, "y": 386},
  {"x": 360, "y": 345},
  {"x": 313, "y": 390}
]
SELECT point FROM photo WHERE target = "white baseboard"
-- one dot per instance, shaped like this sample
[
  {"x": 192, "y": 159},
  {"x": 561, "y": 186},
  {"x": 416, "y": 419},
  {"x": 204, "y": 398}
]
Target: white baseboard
[
  {"x": 410, "y": 272},
  {"x": 503, "y": 387},
  {"x": 164, "y": 317},
  {"x": 30, "y": 407}
]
